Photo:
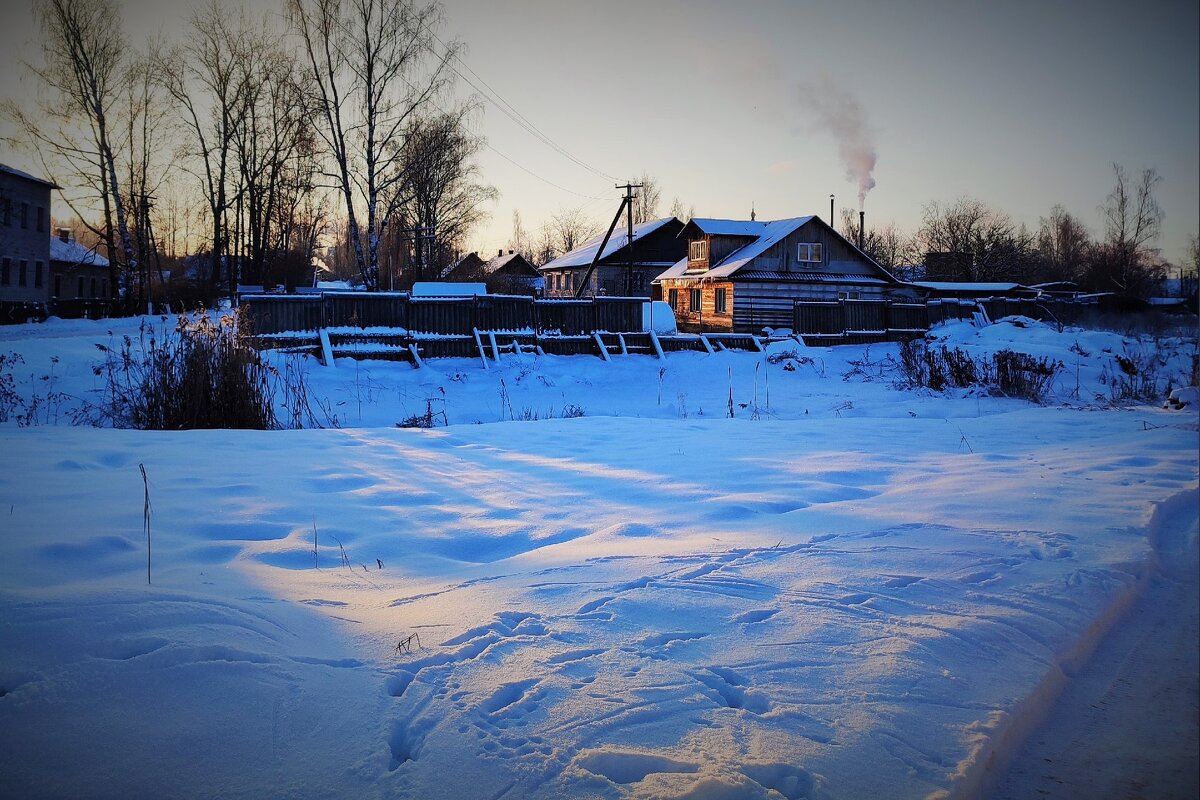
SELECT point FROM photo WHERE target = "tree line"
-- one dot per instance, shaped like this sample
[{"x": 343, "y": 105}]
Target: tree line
[
  {"x": 967, "y": 240},
  {"x": 332, "y": 120}
]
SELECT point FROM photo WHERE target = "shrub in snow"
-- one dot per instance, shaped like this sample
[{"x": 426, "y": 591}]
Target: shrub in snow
[{"x": 203, "y": 374}]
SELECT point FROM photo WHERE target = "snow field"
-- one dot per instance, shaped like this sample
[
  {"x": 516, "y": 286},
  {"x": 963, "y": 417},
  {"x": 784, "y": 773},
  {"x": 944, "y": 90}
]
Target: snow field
[{"x": 862, "y": 592}]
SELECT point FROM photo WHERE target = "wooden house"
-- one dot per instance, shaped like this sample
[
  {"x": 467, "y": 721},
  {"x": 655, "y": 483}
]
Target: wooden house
[
  {"x": 509, "y": 273},
  {"x": 745, "y": 275},
  {"x": 623, "y": 269}
]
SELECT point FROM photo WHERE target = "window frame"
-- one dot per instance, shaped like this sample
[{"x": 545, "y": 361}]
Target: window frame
[
  {"x": 6, "y": 272},
  {"x": 805, "y": 253},
  {"x": 698, "y": 250},
  {"x": 720, "y": 300},
  {"x": 695, "y": 301},
  {"x": 673, "y": 298},
  {"x": 23, "y": 273}
]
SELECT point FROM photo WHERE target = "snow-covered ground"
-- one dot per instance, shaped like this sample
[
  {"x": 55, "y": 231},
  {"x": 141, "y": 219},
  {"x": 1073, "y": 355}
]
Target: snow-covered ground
[{"x": 591, "y": 583}]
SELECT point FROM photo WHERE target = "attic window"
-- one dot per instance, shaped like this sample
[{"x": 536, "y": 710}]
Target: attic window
[
  {"x": 809, "y": 252},
  {"x": 698, "y": 250}
]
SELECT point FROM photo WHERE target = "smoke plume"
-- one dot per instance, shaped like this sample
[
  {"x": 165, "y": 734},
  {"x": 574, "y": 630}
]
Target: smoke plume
[{"x": 839, "y": 111}]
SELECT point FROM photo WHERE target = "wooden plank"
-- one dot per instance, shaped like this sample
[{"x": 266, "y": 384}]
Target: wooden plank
[
  {"x": 326, "y": 349},
  {"x": 479, "y": 346},
  {"x": 417, "y": 362},
  {"x": 621, "y": 339},
  {"x": 707, "y": 344},
  {"x": 495, "y": 350},
  {"x": 657, "y": 345},
  {"x": 603, "y": 347}
]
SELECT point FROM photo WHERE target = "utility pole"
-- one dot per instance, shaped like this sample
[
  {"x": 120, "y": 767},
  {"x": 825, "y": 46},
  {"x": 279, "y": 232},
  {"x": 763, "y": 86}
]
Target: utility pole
[{"x": 628, "y": 202}]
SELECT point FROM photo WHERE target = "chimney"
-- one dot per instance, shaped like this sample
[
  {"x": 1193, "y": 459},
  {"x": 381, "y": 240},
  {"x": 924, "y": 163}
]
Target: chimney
[
  {"x": 500, "y": 252},
  {"x": 862, "y": 215},
  {"x": 64, "y": 234},
  {"x": 510, "y": 252}
]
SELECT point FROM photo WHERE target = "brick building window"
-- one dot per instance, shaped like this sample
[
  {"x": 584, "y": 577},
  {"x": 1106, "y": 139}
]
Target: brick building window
[
  {"x": 37, "y": 274},
  {"x": 6, "y": 272},
  {"x": 673, "y": 298},
  {"x": 23, "y": 216},
  {"x": 719, "y": 301},
  {"x": 694, "y": 301}
]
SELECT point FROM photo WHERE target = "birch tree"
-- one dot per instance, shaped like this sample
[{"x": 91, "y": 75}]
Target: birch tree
[
  {"x": 85, "y": 70},
  {"x": 375, "y": 67}
]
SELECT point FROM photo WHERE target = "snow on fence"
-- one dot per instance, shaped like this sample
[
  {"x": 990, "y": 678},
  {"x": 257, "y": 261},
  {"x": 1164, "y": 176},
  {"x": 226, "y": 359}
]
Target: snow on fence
[{"x": 864, "y": 320}]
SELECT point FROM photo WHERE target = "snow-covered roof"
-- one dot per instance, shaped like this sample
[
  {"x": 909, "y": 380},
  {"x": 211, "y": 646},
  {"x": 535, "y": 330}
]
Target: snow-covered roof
[
  {"x": 73, "y": 252},
  {"x": 731, "y": 227},
  {"x": 582, "y": 256},
  {"x": 499, "y": 262},
  {"x": 19, "y": 174},
  {"x": 970, "y": 286}
]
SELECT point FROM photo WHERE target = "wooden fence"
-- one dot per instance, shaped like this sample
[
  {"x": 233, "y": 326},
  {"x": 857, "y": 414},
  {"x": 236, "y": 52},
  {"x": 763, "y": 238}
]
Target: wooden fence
[
  {"x": 446, "y": 316},
  {"x": 855, "y": 319}
]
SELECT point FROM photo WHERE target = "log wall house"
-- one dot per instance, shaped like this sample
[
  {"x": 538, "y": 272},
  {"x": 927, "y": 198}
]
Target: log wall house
[
  {"x": 656, "y": 246},
  {"x": 504, "y": 274},
  {"x": 745, "y": 275}
]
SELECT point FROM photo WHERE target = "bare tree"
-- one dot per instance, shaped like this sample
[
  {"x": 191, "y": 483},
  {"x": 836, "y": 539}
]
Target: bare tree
[
  {"x": 1064, "y": 246},
  {"x": 645, "y": 202},
  {"x": 1132, "y": 219},
  {"x": 208, "y": 79},
  {"x": 520, "y": 241},
  {"x": 680, "y": 211},
  {"x": 372, "y": 71},
  {"x": 85, "y": 69},
  {"x": 275, "y": 159},
  {"x": 978, "y": 243},
  {"x": 571, "y": 228},
  {"x": 442, "y": 195}
]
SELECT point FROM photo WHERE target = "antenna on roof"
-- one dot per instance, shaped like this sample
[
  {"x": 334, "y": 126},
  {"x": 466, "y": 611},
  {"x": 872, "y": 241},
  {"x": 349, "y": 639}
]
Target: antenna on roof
[{"x": 752, "y": 211}]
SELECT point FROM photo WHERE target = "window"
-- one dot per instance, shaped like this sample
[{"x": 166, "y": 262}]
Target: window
[
  {"x": 37, "y": 274},
  {"x": 694, "y": 301},
  {"x": 6, "y": 272},
  {"x": 809, "y": 252},
  {"x": 719, "y": 301},
  {"x": 92, "y": 286},
  {"x": 41, "y": 219},
  {"x": 22, "y": 274},
  {"x": 672, "y": 294},
  {"x": 58, "y": 285},
  {"x": 7, "y": 210},
  {"x": 698, "y": 250},
  {"x": 847, "y": 295},
  {"x": 23, "y": 217},
  {"x": 103, "y": 287},
  {"x": 80, "y": 292}
]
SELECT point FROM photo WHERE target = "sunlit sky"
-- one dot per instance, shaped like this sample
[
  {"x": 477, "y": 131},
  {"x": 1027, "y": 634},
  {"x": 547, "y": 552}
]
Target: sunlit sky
[{"x": 1022, "y": 105}]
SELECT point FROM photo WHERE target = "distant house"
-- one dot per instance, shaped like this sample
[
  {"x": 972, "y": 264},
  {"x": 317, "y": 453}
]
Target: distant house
[
  {"x": 623, "y": 269},
  {"x": 76, "y": 272},
  {"x": 744, "y": 275},
  {"x": 24, "y": 245},
  {"x": 509, "y": 273}
]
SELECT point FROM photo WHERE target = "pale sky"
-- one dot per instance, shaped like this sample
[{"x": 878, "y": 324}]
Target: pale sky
[{"x": 1022, "y": 105}]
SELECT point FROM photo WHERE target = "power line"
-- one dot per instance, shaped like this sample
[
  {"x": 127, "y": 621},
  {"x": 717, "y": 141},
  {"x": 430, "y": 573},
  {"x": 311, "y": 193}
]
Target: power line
[
  {"x": 512, "y": 113},
  {"x": 539, "y": 177}
]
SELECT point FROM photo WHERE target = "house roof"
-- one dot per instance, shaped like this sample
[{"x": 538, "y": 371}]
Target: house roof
[
  {"x": 26, "y": 176},
  {"x": 964, "y": 286},
  {"x": 73, "y": 252},
  {"x": 500, "y": 262},
  {"x": 584, "y": 254}
]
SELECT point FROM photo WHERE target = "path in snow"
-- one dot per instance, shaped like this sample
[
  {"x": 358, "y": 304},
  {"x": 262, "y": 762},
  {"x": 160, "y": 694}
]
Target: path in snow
[{"x": 1126, "y": 726}]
